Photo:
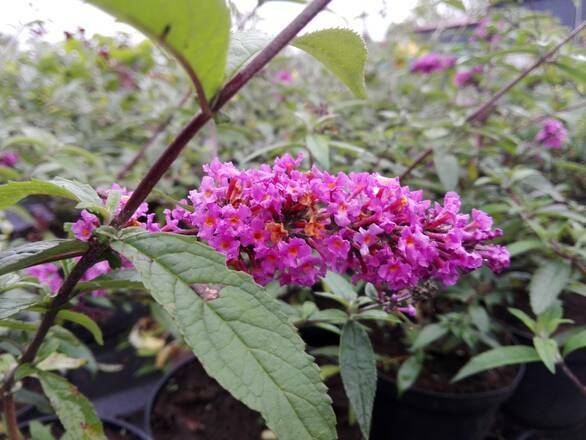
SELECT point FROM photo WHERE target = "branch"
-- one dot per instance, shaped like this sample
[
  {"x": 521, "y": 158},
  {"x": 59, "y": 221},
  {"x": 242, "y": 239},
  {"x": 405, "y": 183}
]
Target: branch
[
  {"x": 10, "y": 416},
  {"x": 486, "y": 108},
  {"x": 230, "y": 89},
  {"x": 156, "y": 132},
  {"x": 575, "y": 380}
]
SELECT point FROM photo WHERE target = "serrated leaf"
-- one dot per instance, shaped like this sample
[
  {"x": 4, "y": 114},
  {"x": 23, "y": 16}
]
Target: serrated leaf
[
  {"x": 574, "y": 343},
  {"x": 358, "y": 370},
  {"x": 117, "y": 279},
  {"x": 13, "y": 302},
  {"x": 547, "y": 283},
  {"x": 243, "y": 46},
  {"x": 448, "y": 170},
  {"x": 75, "y": 412},
  {"x": 408, "y": 373},
  {"x": 31, "y": 254},
  {"x": 241, "y": 337},
  {"x": 547, "y": 349},
  {"x": 497, "y": 357},
  {"x": 342, "y": 52},
  {"x": 85, "y": 321},
  {"x": 338, "y": 285},
  {"x": 319, "y": 149},
  {"x": 195, "y": 32},
  {"x": 427, "y": 335}
]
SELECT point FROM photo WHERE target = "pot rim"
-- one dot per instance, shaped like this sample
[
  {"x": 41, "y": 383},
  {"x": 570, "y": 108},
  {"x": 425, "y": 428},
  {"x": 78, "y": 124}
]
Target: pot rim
[
  {"x": 110, "y": 420},
  {"x": 154, "y": 394},
  {"x": 463, "y": 396}
]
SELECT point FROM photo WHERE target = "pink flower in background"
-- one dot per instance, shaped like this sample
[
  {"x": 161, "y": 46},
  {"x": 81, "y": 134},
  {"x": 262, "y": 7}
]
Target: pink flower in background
[
  {"x": 488, "y": 30},
  {"x": 468, "y": 77},
  {"x": 432, "y": 62},
  {"x": 553, "y": 134},
  {"x": 284, "y": 76},
  {"x": 8, "y": 159}
]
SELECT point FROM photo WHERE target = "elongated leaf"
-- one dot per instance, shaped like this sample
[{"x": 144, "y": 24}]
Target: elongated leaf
[
  {"x": 75, "y": 412},
  {"x": 547, "y": 283},
  {"x": 547, "y": 349},
  {"x": 13, "y": 302},
  {"x": 448, "y": 170},
  {"x": 427, "y": 335},
  {"x": 497, "y": 357},
  {"x": 576, "y": 342},
  {"x": 319, "y": 149},
  {"x": 236, "y": 330},
  {"x": 408, "y": 373},
  {"x": 520, "y": 247},
  {"x": 31, "y": 254},
  {"x": 117, "y": 279},
  {"x": 196, "y": 32},
  {"x": 338, "y": 285},
  {"x": 358, "y": 370},
  {"x": 342, "y": 52},
  {"x": 524, "y": 318},
  {"x": 85, "y": 321},
  {"x": 13, "y": 192},
  {"x": 243, "y": 46},
  {"x": 39, "y": 431}
]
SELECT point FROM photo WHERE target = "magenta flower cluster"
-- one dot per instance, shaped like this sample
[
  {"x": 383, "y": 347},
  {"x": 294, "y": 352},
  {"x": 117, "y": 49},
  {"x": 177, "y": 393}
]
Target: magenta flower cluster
[
  {"x": 468, "y": 77},
  {"x": 433, "y": 62},
  {"x": 552, "y": 134},
  {"x": 283, "y": 223},
  {"x": 489, "y": 30}
]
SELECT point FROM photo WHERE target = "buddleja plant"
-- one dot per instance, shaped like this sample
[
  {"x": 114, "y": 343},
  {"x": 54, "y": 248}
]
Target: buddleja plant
[{"x": 241, "y": 337}]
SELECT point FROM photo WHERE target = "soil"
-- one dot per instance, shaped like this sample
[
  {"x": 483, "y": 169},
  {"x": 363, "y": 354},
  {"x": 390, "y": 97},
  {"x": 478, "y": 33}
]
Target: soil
[
  {"x": 437, "y": 372},
  {"x": 193, "y": 406}
]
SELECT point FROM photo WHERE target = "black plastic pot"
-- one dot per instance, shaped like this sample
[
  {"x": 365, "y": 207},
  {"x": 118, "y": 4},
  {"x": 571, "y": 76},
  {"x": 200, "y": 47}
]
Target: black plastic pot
[
  {"x": 115, "y": 424},
  {"x": 550, "y": 401},
  {"x": 421, "y": 414}
]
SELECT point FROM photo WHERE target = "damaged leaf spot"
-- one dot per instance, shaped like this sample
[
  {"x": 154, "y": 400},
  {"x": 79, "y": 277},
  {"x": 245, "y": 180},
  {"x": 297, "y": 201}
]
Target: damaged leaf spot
[
  {"x": 165, "y": 32},
  {"x": 207, "y": 292}
]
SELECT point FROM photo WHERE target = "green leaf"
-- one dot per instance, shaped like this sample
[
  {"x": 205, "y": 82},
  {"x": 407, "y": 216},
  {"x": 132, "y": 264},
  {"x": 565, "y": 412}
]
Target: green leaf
[
  {"x": 520, "y": 247},
  {"x": 75, "y": 412},
  {"x": 547, "y": 283},
  {"x": 237, "y": 332},
  {"x": 524, "y": 318},
  {"x": 85, "y": 321},
  {"x": 358, "y": 370},
  {"x": 117, "y": 279},
  {"x": 479, "y": 317},
  {"x": 31, "y": 254},
  {"x": 427, "y": 335},
  {"x": 577, "y": 288},
  {"x": 195, "y": 32},
  {"x": 38, "y": 431},
  {"x": 408, "y": 373},
  {"x": 576, "y": 342},
  {"x": 547, "y": 349},
  {"x": 13, "y": 302},
  {"x": 448, "y": 170},
  {"x": 458, "y": 4},
  {"x": 59, "y": 361},
  {"x": 339, "y": 286},
  {"x": 319, "y": 149},
  {"x": 12, "y": 192},
  {"x": 497, "y": 357},
  {"x": 342, "y": 52},
  {"x": 243, "y": 46}
]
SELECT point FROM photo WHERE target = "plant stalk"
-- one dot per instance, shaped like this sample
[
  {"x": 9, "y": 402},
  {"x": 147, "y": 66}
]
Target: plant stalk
[{"x": 575, "y": 380}]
